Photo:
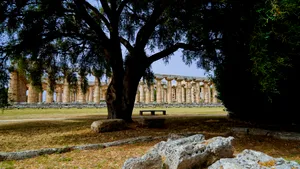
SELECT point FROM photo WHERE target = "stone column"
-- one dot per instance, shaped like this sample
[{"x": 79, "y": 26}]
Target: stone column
[
  {"x": 22, "y": 88},
  {"x": 32, "y": 94},
  {"x": 137, "y": 96},
  {"x": 13, "y": 87},
  {"x": 209, "y": 93},
  {"x": 71, "y": 97},
  {"x": 197, "y": 87},
  {"x": 158, "y": 90},
  {"x": 174, "y": 96},
  {"x": 202, "y": 93},
  {"x": 66, "y": 91},
  {"x": 142, "y": 96},
  {"x": 193, "y": 100},
  {"x": 179, "y": 90},
  {"x": 59, "y": 95},
  {"x": 151, "y": 93},
  {"x": 49, "y": 95},
  {"x": 169, "y": 90},
  {"x": 87, "y": 95},
  {"x": 104, "y": 91},
  {"x": 80, "y": 94},
  {"x": 41, "y": 97},
  {"x": 214, "y": 92},
  {"x": 91, "y": 95},
  {"x": 97, "y": 91},
  {"x": 183, "y": 93},
  {"x": 188, "y": 91},
  {"x": 205, "y": 92},
  {"x": 165, "y": 95},
  {"x": 147, "y": 99}
]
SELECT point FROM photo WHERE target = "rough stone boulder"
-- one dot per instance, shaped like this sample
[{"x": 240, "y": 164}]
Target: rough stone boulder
[
  {"x": 184, "y": 153},
  {"x": 151, "y": 160},
  {"x": 108, "y": 125},
  {"x": 251, "y": 159}
]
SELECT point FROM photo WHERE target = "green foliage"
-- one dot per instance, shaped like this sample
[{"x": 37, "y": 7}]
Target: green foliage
[
  {"x": 274, "y": 42},
  {"x": 259, "y": 60},
  {"x": 3, "y": 98},
  {"x": 3, "y": 81}
]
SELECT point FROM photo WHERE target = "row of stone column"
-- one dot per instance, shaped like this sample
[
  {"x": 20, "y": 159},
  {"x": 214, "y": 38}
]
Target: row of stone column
[
  {"x": 182, "y": 93},
  {"x": 64, "y": 94},
  {"x": 185, "y": 91}
]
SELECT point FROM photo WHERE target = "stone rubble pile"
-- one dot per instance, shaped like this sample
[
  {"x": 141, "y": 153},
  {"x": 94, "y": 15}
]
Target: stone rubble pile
[
  {"x": 251, "y": 159},
  {"x": 196, "y": 152}
]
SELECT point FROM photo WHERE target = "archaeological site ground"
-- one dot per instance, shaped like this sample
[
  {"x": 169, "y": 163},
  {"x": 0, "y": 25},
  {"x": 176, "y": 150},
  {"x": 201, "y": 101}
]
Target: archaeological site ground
[{"x": 33, "y": 129}]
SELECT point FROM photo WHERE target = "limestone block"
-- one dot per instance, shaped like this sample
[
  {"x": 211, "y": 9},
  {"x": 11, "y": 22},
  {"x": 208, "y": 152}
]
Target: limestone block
[
  {"x": 197, "y": 154},
  {"x": 251, "y": 159},
  {"x": 108, "y": 125},
  {"x": 185, "y": 153},
  {"x": 151, "y": 160}
]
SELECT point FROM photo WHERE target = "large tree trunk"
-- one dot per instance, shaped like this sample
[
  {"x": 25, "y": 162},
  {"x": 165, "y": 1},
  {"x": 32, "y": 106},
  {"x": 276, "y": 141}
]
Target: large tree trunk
[
  {"x": 121, "y": 92},
  {"x": 120, "y": 100}
]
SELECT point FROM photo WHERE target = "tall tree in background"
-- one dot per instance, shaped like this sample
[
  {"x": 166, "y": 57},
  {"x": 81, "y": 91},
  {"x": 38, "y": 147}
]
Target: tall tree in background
[
  {"x": 3, "y": 80},
  {"x": 257, "y": 60},
  {"x": 86, "y": 31}
]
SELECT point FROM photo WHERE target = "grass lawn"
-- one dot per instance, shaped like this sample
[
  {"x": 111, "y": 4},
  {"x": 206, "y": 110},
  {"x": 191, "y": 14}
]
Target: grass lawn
[
  {"x": 74, "y": 112},
  {"x": 76, "y": 131}
]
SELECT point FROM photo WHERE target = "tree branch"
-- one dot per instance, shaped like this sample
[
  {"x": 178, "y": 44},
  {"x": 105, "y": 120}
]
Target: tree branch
[
  {"x": 122, "y": 6},
  {"x": 106, "y": 8},
  {"x": 127, "y": 44},
  {"x": 168, "y": 51},
  {"x": 99, "y": 15},
  {"x": 145, "y": 32},
  {"x": 90, "y": 21}
]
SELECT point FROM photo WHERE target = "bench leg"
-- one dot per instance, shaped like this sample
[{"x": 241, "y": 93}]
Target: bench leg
[
  {"x": 152, "y": 112},
  {"x": 164, "y": 112}
]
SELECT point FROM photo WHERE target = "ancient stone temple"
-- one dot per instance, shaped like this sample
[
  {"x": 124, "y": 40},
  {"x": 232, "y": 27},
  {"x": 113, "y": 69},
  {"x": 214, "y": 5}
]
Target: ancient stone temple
[{"x": 165, "y": 89}]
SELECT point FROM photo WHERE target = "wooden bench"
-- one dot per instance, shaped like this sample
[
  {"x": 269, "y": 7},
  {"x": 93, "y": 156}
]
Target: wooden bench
[{"x": 152, "y": 112}]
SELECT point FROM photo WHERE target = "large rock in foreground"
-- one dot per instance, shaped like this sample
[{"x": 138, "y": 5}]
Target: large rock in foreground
[
  {"x": 108, "y": 125},
  {"x": 184, "y": 153},
  {"x": 251, "y": 159}
]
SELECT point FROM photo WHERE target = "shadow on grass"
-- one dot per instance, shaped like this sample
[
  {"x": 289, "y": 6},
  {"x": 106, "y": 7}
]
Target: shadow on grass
[
  {"x": 172, "y": 125},
  {"x": 76, "y": 131}
]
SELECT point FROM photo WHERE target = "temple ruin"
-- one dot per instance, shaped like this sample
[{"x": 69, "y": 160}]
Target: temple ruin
[{"x": 165, "y": 89}]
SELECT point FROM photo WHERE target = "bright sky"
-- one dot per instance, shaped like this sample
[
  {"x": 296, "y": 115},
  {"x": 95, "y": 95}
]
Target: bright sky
[{"x": 177, "y": 67}]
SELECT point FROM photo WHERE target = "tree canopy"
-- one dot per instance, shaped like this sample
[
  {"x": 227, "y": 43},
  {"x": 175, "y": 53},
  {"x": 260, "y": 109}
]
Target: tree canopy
[
  {"x": 81, "y": 34},
  {"x": 252, "y": 46}
]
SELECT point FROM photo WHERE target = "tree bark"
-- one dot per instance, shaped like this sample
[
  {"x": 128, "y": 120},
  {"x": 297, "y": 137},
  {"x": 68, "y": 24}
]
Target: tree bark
[
  {"x": 121, "y": 92},
  {"x": 120, "y": 106}
]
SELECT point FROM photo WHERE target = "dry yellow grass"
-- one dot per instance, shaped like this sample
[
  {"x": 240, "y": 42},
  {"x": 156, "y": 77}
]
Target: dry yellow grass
[
  {"x": 114, "y": 157},
  {"x": 44, "y": 134},
  {"x": 109, "y": 158},
  {"x": 94, "y": 112}
]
